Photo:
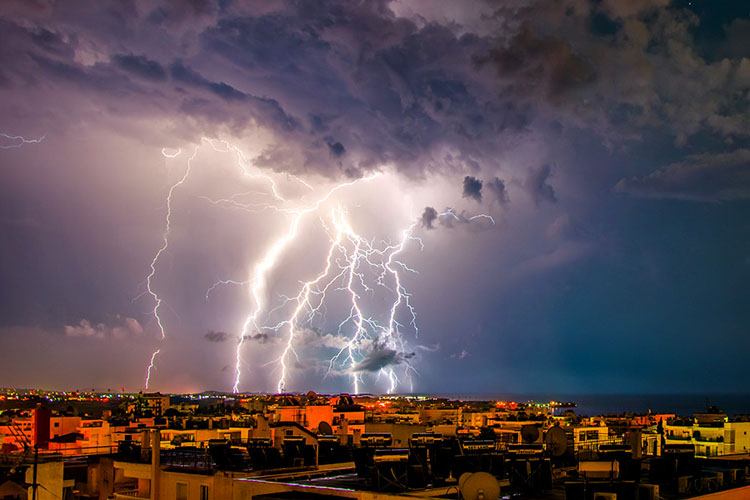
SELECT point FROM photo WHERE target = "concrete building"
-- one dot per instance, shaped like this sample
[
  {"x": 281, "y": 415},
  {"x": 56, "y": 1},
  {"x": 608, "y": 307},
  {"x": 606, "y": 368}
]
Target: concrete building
[
  {"x": 156, "y": 402},
  {"x": 440, "y": 415},
  {"x": 712, "y": 434}
]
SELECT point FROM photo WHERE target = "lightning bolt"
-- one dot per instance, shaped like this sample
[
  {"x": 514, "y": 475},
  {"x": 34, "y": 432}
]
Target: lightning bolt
[
  {"x": 163, "y": 248},
  {"x": 303, "y": 300},
  {"x": 349, "y": 260},
  {"x": 451, "y": 213},
  {"x": 244, "y": 166},
  {"x": 17, "y": 141},
  {"x": 354, "y": 266},
  {"x": 267, "y": 263}
]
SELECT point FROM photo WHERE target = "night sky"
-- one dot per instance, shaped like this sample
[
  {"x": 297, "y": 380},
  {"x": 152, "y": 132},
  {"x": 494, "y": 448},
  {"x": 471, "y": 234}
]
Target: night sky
[{"x": 609, "y": 141}]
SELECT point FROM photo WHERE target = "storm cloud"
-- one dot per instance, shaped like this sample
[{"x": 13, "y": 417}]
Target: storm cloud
[
  {"x": 428, "y": 218},
  {"x": 380, "y": 357},
  {"x": 440, "y": 95},
  {"x": 590, "y": 153},
  {"x": 472, "y": 188},
  {"x": 499, "y": 191},
  {"x": 538, "y": 187},
  {"x": 713, "y": 178},
  {"x": 214, "y": 336}
]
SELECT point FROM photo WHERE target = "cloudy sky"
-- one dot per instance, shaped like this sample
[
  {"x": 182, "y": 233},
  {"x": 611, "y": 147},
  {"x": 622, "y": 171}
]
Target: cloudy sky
[{"x": 608, "y": 141}]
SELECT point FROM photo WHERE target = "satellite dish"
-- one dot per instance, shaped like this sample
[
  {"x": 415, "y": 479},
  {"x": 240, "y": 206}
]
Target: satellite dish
[
  {"x": 556, "y": 441},
  {"x": 324, "y": 428},
  {"x": 530, "y": 434},
  {"x": 478, "y": 486}
]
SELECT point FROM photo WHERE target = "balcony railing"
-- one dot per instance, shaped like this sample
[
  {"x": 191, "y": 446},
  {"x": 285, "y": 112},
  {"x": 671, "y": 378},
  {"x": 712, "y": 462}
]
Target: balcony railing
[
  {"x": 707, "y": 439},
  {"x": 129, "y": 495},
  {"x": 680, "y": 423},
  {"x": 710, "y": 425},
  {"x": 678, "y": 438}
]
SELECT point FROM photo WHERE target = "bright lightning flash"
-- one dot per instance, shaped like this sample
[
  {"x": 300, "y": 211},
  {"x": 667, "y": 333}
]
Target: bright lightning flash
[
  {"x": 355, "y": 269},
  {"x": 163, "y": 248},
  {"x": 350, "y": 260},
  {"x": 8, "y": 141},
  {"x": 259, "y": 278},
  {"x": 242, "y": 162}
]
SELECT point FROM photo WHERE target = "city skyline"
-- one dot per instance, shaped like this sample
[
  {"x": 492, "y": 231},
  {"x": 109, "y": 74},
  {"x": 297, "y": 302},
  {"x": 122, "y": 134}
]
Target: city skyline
[{"x": 394, "y": 196}]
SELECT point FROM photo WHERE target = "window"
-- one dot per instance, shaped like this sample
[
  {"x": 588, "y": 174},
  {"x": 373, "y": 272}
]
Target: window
[
  {"x": 204, "y": 492},
  {"x": 181, "y": 492}
]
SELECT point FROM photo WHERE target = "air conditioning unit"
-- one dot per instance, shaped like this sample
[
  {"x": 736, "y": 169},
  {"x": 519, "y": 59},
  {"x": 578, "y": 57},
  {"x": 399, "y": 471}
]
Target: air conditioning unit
[
  {"x": 599, "y": 469},
  {"x": 648, "y": 492},
  {"x": 731, "y": 476},
  {"x": 710, "y": 482},
  {"x": 683, "y": 484},
  {"x": 605, "y": 496}
]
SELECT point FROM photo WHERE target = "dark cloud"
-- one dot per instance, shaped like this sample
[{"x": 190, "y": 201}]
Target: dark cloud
[
  {"x": 542, "y": 64},
  {"x": 340, "y": 89},
  {"x": 261, "y": 338},
  {"x": 704, "y": 177},
  {"x": 140, "y": 66},
  {"x": 51, "y": 42},
  {"x": 428, "y": 218},
  {"x": 337, "y": 149},
  {"x": 498, "y": 190},
  {"x": 216, "y": 336},
  {"x": 381, "y": 357},
  {"x": 389, "y": 89},
  {"x": 262, "y": 108},
  {"x": 538, "y": 187},
  {"x": 472, "y": 188},
  {"x": 183, "y": 74}
]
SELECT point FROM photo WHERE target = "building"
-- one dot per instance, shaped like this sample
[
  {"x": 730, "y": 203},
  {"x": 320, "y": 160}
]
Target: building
[
  {"x": 156, "y": 402},
  {"x": 712, "y": 434}
]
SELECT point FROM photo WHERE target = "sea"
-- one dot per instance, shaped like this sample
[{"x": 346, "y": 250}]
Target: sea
[{"x": 615, "y": 404}]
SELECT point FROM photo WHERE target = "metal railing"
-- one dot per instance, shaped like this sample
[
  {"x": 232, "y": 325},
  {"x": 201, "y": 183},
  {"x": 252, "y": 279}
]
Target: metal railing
[
  {"x": 706, "y": 439},
  {"x": 678, "y": 438},
  {"x": 128, "y": 494}
]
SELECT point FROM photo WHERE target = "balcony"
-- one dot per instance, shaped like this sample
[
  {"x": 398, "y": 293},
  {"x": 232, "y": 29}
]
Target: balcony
[
  {"x": 678, "y": 438},
  {"x": 680, "y": 423},
  {"x": 131, "y": 494},
  {"x": 709, "y": 439},
  {"x": 710, "y": 425}
]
